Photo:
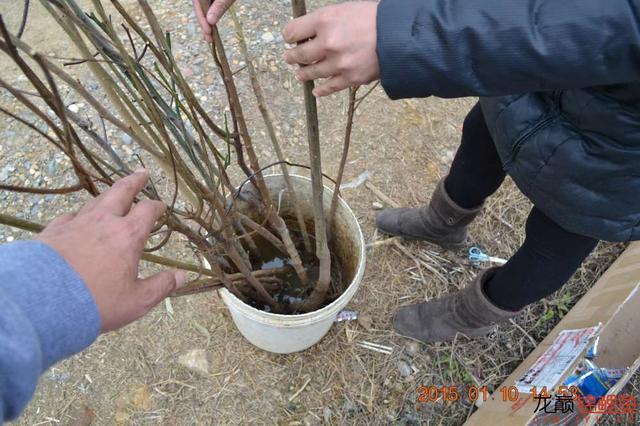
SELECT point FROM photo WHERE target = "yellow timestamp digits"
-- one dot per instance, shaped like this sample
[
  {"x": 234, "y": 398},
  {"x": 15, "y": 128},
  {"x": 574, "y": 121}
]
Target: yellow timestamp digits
[{"x": 451, "y": 393}]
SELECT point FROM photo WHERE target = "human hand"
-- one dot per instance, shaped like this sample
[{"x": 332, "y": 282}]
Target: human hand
[
  {"x": 104, "y": 243},
  {"x": 208, "y": 14},
  {"x": 336, "y": 42}
]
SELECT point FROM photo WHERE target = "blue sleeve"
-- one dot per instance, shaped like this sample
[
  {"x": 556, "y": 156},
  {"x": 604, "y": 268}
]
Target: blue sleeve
[
  {"x": 455, "y": 48},
  {"x": 46, "y": 314}
]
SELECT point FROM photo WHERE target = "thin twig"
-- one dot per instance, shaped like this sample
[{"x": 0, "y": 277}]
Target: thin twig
[
  {"x": 386, "y": 242},
  {"x": 262, "y": 169},
  {"x": 381, "y": 195},
  {"x": 28, "y": 190},
  {"x": 25, "y": 16},
  {"x": 343, "y": 160},
  {"x": 299, "y": 391}
]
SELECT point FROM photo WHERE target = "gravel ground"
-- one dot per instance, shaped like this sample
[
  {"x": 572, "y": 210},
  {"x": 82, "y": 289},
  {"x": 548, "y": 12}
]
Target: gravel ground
[{"x": 139, "y": 375}]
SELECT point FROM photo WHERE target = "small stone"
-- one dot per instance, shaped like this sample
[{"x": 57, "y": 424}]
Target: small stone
[
  {"x": 121, "y": 416},
  {"x": 348, "y": 406},
  {"x": 377, "y": 206},
  {"x": 51, "y": 167},
  {"x": 7, "y": 171},
  {"x": 267, "y": 37},
  {"x": 82, "y": 415},
  {"x": 413, "y": 348},
  {"x": 327, "y": 414},
  {"x": 365, "y": 321},
  {"x": 405, "y": 369},
  {"x": 126, "y": 139},
  {"x": 142, "y": 398},
  {"x": 75, "y": 108},
  {"x": 195, "y": 360}
]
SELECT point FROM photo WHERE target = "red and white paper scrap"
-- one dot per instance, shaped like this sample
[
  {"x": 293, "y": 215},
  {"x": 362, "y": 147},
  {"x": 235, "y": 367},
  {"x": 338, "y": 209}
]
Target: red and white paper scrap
[{"x": 556, "y": 360}]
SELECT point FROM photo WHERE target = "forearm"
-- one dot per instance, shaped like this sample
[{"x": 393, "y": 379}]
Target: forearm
[
  {"x": 47, "y": 314},
  {"x": 455, "y": 48}
]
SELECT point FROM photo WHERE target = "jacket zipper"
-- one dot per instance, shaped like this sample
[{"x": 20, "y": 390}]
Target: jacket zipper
[
  {"x": 541, "y": 124},
  {"x": 516, "y": 146}
]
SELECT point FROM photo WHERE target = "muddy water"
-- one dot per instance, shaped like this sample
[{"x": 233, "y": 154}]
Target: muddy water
[{"x": 290, "y": 291}]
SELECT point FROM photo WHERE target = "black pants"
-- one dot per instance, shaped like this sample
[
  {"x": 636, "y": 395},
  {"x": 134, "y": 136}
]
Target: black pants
[{"x": 549, "y": 256}]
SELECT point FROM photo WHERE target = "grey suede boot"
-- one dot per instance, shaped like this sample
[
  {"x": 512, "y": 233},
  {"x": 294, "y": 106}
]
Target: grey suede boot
[
  {"x": 468, "y": 312},
  {"x": 442, "y": 222}
]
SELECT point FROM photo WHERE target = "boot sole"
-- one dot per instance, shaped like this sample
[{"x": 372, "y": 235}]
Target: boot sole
[
  {"x": 429, "y": 342},
  {"x": 445, "y": 246}
]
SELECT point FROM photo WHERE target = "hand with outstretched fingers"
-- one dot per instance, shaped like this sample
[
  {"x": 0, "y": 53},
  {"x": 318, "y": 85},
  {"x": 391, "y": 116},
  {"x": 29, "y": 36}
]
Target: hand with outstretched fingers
[
  {"x": 337, "y": 43},
  {"x": 209, "y": 13},
  {"x": 104, "y": 243}
]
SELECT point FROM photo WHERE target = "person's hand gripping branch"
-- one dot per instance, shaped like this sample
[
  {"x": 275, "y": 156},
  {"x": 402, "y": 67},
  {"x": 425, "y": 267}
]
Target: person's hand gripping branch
[
  {"x": 337, "y": 43},
  {"x": 209, "y": 13}
]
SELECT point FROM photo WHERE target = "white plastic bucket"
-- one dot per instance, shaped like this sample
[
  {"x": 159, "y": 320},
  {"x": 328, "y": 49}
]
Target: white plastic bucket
[{"x": 293, "y": 333}]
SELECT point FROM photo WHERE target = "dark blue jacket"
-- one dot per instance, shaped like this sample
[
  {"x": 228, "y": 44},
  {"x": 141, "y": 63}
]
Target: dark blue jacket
[{"x": 559, "y": 82}]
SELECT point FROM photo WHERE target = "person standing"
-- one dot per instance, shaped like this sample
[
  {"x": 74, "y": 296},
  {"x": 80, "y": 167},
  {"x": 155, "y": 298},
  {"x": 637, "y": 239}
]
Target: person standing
[{"x": 559, "y": 112}]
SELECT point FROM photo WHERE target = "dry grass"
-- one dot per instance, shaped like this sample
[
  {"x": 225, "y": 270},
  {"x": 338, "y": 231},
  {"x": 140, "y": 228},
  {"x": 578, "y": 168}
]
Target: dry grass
[
  {"x": 432, "y": 273},
  {"x": 134, "y": 377}
]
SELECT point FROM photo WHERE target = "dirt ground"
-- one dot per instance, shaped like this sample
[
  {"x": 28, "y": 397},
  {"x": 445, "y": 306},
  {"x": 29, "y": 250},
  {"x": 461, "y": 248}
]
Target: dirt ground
[{"x": 135, "y": 376}]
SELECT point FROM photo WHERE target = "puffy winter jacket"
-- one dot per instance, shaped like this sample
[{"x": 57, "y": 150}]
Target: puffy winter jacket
[{"x": 559, "y": 82}]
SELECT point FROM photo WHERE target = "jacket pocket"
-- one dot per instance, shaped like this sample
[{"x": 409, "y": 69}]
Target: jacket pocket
[
  {"x": 515, "y": 148},
  {"x": 547, "y": 119}
]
